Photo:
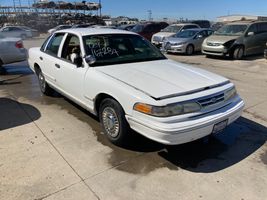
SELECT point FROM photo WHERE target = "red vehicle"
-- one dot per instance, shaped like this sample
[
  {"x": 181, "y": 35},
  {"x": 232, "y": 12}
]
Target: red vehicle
[{"x": 150, "y": 28}]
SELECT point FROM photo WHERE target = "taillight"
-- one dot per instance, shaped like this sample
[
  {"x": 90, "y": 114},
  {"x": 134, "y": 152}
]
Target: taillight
[{"x": 19, "y": 45}]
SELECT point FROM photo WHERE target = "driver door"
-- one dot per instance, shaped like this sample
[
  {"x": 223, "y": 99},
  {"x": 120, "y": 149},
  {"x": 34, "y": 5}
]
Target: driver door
[{"x": 70, "y": 77}]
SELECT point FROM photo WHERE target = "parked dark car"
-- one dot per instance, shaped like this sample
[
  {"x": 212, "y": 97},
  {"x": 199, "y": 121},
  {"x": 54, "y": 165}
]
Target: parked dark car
[
  {"x": 201, "y": 23},
  {"x": 148, "y": 29}
]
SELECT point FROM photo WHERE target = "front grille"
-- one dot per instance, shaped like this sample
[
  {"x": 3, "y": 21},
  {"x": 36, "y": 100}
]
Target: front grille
[
  {"x": 211, "y": 100},
  {"x": 213, "y": 44}
]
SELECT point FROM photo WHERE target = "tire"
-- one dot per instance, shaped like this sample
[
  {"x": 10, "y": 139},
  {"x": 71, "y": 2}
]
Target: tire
[
  {"x": 238, "y": 53},
  {"x": 2, "y": 69},
  {"x": 189, "y": 49},
  {"x": 44, "y": 87},
  {"x": 112, "y": 118}
]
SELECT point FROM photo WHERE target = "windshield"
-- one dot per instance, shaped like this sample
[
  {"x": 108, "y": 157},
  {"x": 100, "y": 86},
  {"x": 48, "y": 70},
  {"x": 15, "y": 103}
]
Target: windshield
[
  {"x": 172, "y": 29},
  {"x": 138, "y": 28},
  {"x": 186, "y": 34},
  {"x": 120, "y": 48},
  {"x": 232, "y": 30}
]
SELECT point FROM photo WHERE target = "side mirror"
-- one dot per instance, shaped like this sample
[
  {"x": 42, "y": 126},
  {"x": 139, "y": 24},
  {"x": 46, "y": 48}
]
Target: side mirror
[
  {"x": 78, "y": 61},
  {"x": 199, "y": 36},
  {"x": 90, "y": 59},
  {"x": 251, "y": 33}
]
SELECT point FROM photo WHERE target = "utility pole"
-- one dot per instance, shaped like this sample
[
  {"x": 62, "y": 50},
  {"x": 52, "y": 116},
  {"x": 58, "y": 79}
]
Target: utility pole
[
  {"x": 149, "y": 15},
  {"x": 100, "y": 9}
]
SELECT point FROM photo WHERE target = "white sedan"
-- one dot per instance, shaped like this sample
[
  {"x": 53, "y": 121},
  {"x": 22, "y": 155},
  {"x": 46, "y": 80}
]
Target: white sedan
[
  {"x": 11, "y": 50},
  {"x": 126, "y": 81}
]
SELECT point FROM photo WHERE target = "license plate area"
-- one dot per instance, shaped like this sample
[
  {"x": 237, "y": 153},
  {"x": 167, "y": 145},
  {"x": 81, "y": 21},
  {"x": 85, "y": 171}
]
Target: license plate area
[{"x": 219, "y": 127}]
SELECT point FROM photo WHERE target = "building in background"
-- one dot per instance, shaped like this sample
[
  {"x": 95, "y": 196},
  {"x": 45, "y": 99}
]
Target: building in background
[{"x": 231, "y": 18}]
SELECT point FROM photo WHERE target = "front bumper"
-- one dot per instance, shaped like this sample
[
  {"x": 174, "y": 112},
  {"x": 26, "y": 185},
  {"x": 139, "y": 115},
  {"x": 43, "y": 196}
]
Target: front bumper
[
  {"x": 214, "y": 50},
  {"x": 176, "y": 49},
  {"x": 173, "y": 133}
]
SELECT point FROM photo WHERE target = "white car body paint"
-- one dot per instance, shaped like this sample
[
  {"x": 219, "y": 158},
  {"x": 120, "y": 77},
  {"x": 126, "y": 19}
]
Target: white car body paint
[{"x": 157, "y": 83}]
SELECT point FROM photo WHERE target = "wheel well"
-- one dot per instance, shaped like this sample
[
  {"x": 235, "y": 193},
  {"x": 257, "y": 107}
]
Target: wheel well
[
  {"x": 191, "y": 45},
  {"x": 37, "y": 68},
  {"x": 99, "y": 98}
]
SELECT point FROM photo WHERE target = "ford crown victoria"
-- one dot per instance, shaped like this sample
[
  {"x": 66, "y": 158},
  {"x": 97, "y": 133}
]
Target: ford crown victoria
[{"x": 129, "y": 84}]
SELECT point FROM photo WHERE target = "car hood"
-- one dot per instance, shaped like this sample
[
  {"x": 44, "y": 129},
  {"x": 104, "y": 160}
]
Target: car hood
[
  {"x": 177, "y": 40},
  {"x": 163, "y": 78},
  {"x": 164, "y": 34},
  {"x": 220, "y": 39}
]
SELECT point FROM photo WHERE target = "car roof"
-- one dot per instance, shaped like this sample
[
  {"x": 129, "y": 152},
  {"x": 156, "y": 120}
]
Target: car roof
[
  {"x": 94, "y": 31},
  {"x": 246, "y": 22},
  {"x": 183, "y": 24}
]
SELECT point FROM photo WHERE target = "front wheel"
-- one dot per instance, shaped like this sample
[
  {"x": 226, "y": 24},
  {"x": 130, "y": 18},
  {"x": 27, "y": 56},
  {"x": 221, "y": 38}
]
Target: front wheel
[
  {"x": 112, "y": 118},
  {"x": 189, "y": 49},
  {"x": 45, "y": 88},
  {"x": 238, "y": 53}
]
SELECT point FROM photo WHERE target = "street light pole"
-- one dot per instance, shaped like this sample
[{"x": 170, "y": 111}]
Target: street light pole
[{"x": 100, "y": 8}]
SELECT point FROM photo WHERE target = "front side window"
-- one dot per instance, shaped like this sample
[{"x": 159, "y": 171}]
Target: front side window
[
  {"x": 138, "y": 28},
  {"x": 71, "y": 49},
  {"x": 54, "y": 43},
  {"x": 120, "y": 48}
]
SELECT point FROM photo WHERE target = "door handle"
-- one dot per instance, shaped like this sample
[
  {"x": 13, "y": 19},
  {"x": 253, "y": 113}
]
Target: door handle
[
  {"x": 57, "y": 66},
  {"x": 41, "y": 58}
]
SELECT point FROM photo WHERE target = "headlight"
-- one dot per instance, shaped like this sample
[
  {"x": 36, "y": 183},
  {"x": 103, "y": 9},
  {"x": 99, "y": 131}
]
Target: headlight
[
  {"x": 169, "y": 110},
  {"x": 229, "y": 94}
]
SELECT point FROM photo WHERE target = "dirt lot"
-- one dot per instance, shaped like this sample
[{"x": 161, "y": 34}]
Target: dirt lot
[{"x": 51, "y": 148}]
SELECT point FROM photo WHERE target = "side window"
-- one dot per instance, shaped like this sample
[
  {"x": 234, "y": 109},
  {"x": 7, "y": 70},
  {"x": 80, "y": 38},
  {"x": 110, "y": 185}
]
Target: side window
[
  {"x": 262, "y": 27},
  {"x": 253, "y": 28},
  {"x": 71, "y": 48},
  {"x": 209, "y": 32},
  {"x": 203, "y": 34},
  {"x": 54, "y": 44}
]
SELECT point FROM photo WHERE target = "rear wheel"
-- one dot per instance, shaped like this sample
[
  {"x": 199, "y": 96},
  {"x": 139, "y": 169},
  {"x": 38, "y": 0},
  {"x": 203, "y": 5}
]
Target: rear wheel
[
  {"x": 112, "y": 118},
  {"x": 238, "y": 53},
  {"x": 189, "y": 49},
  {"x": 45, "y": 88}
]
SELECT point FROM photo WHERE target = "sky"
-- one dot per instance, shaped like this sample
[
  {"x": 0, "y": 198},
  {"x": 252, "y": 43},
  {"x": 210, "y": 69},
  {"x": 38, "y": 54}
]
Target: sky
[{"x": 175, "y": 9}]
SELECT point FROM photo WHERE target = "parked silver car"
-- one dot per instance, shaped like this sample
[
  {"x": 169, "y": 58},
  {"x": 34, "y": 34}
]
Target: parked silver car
[
  {"x": 11, "y": 50},
  {"x": 57, "y": 28},
  {"x": 187, "y": 41},
  {"x": 16, "y": 31},
  {"x": 157, "y": 39}
]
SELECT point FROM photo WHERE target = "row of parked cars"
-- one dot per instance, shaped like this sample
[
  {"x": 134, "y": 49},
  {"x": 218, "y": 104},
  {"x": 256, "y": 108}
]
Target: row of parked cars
[{"x": 236, "y": 39}]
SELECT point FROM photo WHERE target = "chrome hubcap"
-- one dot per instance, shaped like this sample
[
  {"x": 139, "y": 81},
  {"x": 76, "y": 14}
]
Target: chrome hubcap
[
  {"x": 42, "y": 81},
  {"x": 111, "y": 122}
]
